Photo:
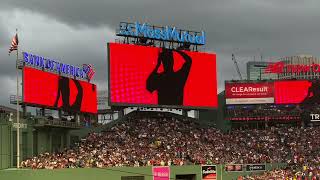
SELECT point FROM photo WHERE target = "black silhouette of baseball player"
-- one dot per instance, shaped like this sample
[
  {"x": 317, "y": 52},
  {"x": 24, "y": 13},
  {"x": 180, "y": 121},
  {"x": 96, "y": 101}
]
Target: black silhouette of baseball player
[
  {"x": 64, "y": 92},
  {"x": 313, "y": 95},
  {"x": 169, "y": 84}
]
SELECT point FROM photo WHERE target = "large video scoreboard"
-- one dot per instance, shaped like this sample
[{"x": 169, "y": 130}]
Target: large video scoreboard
[{"x": 158, "y": 77}]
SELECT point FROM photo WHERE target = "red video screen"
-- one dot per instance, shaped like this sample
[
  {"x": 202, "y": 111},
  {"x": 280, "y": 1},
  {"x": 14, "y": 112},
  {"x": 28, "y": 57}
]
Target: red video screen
[
  {"x": 142, "y": 75},
  {"x": 50, "y": 90},
  {"x": 297, "y": 92}
]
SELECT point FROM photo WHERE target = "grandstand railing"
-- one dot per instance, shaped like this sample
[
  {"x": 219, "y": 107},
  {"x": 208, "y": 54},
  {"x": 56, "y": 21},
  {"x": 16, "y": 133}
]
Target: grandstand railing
[
  {"x": 39, "y": 122},
  {"x": 238, "y": 113}
]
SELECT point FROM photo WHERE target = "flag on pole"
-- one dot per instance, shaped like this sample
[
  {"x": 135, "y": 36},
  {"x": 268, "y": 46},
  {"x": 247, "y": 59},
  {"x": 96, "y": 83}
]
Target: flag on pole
[{"x": 14, "y": 44}]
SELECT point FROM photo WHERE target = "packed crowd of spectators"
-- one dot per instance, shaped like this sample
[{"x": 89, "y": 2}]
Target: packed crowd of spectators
[
  {"x": 304, "y": 173},
  {"x": 262, "y": 110},
  {"x": 147, "y": 141}
]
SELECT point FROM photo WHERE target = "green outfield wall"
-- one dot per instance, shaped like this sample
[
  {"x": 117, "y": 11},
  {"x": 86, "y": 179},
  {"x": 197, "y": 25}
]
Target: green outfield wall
[
  {"x": 33, "y": 141},
  {"x": 118, "y": 173},
  {"x": 5, "y": 146}
]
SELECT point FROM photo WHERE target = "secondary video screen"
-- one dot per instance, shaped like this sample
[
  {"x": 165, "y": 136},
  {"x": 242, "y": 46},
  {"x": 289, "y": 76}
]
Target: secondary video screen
[
  {"x": 297, "y": 92},
  {"x": 46, "y": 89}
]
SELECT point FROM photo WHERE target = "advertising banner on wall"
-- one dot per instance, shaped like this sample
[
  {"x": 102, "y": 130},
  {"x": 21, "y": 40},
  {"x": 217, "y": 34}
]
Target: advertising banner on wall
[
  {"x": 249, "y": 93},
  {"x": 45, "y": 89},
  {"x": 152, "y": 76},
  {"x": 161, "y": 172},
  {"x": 255, "y": 167},
  {"x": 314, "y": 117},
  {"x": 233, "y": 167},
  {"x": 209, "y": 172},
  {"x": 132, "y": 177}
]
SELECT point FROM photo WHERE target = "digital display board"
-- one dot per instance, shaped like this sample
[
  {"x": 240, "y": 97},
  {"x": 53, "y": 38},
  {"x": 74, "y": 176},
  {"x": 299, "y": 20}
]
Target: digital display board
[
  {"x": 234, "y": 167},
  {"x": 249, "y": 92},
  {"x": 255, "y": 167},
  {"x": 151, "y": 76},
  {"x": 296, "y": 92},
  {"x": 209, "y": 172},
  {"x": 161, "y": 172},
  {"x": 45, "y": 89}
]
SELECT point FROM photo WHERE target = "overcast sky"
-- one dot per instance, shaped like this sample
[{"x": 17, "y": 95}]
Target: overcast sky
[{"x": 77, "y": 31}]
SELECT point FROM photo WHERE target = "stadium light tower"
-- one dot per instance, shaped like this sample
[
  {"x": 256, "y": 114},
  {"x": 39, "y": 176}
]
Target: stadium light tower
[{"x": 237, "y": 66}]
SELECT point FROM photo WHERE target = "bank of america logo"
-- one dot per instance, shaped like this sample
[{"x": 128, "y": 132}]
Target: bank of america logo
[
  {"x": 89, "y": 70},
  {"x": 275, "y": 68}
]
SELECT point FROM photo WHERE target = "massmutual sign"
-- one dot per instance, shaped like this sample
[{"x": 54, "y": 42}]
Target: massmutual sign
[{"x": 166, "y": 33}]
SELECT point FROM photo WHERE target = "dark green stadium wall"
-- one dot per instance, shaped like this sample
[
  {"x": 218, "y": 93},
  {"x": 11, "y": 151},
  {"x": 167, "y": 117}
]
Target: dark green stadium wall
[
  {"x": 5, "y": 146},
  {"x": 51, "y": 139},
  {"x": 9, "y": 136},
  {"x": 116, "y": 173},
  {"x": 8, "y": 143},
  {"x": 216, "y": 117},
  {"x": 33, "y": 141}
]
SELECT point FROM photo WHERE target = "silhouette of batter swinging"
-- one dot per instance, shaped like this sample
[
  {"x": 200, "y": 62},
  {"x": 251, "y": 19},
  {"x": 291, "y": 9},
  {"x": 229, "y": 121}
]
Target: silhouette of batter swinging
[
  {"x": 64, "y": 91},
  {"x": 169, "y": 84},
  {"x": 313, "y": 95}
]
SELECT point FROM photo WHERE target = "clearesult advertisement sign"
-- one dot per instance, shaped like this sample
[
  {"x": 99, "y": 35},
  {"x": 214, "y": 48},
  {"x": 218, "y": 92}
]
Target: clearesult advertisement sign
[
  {"x": 209, "y": 172},
  {"x": 161, "y": 172},
  {"x": 249, "y": 92}
]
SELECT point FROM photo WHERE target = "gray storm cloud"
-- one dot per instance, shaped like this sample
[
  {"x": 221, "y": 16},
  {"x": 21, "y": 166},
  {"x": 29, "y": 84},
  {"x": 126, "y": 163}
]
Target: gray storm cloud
[{"x": 76, "y": 32}]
